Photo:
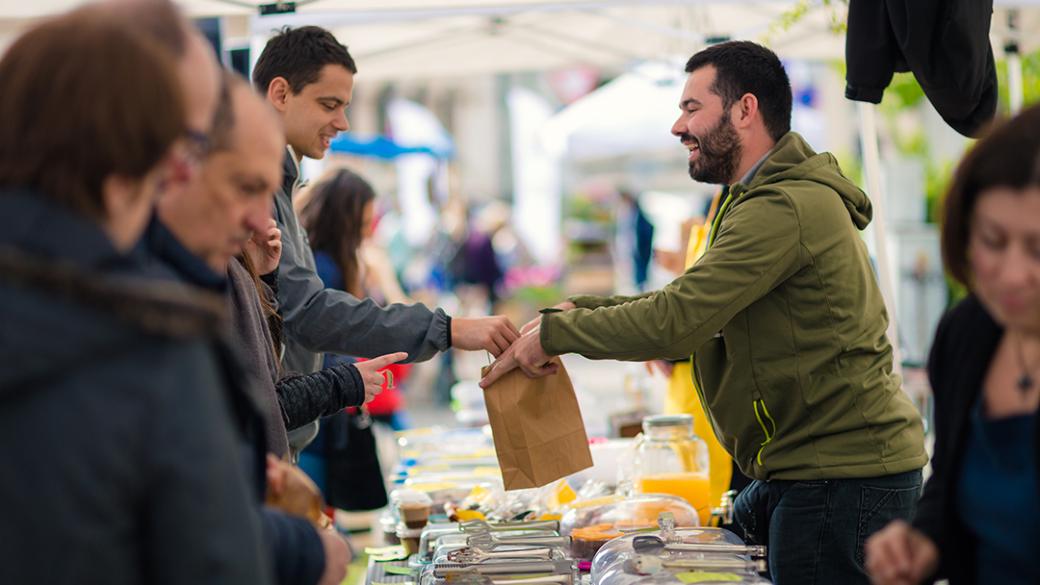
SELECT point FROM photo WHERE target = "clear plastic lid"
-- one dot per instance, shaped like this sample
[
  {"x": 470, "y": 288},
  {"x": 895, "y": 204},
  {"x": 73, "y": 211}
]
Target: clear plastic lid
[
  {"x": 593, "y": 526},
  {"x": 628, "y": 514},
  {"x": 676, "y": 577},
  {"x": 410, "y": 496},
  {"x": 682, "y": 546}
]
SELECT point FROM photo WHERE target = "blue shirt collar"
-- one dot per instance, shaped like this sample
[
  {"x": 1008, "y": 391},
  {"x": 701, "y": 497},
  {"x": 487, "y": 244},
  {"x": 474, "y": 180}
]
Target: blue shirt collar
[{"x": 161, "y": 244}]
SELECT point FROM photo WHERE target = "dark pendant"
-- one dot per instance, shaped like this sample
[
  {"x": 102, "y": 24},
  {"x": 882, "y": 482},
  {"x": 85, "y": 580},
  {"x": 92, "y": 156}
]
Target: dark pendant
[{"x": 1025, "y": 382}]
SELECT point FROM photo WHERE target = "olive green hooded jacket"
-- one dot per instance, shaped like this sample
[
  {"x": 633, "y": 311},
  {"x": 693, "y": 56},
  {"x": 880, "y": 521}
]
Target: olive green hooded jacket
[{"x": 786, "y": 323}]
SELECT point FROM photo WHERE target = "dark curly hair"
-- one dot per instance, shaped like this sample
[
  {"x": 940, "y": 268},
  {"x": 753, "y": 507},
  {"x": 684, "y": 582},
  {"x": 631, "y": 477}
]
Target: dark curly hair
[
  {"x": 743, "y": 67},
  {"x": 298, "y": 55}
]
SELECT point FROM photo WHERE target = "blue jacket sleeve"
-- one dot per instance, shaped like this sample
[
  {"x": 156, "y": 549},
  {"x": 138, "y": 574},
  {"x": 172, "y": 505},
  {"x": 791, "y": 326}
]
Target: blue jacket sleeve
[{"x": 295, "y": 548}]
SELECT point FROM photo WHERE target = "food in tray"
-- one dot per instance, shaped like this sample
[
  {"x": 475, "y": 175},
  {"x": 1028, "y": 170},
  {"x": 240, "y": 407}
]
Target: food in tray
[
  {"x": 586, "y": 542},
  {"x": 630, "y": 514}
]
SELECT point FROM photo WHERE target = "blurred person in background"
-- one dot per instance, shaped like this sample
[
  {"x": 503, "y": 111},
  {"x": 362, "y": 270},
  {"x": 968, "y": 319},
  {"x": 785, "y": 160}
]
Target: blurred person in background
[
  {"x": 115, "y": 423},
  {"x": 978, "y": 520},
  {"x": 476, "y": 263},
  {"x": 635, "y": 237},
  {"x": 338, "y": 213}
]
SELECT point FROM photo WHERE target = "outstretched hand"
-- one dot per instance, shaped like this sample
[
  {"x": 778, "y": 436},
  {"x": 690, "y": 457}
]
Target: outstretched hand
[
  {"x": 373, "y": 378},
  {"x": 564, "y": 306},
  {"x": 493, "y": 334},
  {"x": 527, "y": 354}
]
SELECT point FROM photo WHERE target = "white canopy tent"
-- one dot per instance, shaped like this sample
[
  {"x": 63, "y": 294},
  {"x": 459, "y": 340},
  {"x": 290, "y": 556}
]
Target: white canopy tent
[
  {"x": 399, "y": 39},
  {"x": 411, "y": 39}
]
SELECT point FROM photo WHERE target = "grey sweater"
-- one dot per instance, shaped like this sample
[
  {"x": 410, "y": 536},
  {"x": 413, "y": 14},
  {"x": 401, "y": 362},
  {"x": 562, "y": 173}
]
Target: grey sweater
[
  {"x": 295, "y": 400},
  {"x": 319, "y": 320}
]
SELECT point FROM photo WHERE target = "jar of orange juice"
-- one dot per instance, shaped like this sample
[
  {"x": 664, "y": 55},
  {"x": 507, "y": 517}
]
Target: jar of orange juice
[{"x": 670, "y": 459}]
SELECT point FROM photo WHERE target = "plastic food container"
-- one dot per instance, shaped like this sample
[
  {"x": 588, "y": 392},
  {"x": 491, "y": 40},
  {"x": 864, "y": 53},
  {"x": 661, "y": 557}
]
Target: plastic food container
[
  {"x": 412, "y": 507},
  {"x": 695, "y": 555},
  {"x": 592, "y": 526}
]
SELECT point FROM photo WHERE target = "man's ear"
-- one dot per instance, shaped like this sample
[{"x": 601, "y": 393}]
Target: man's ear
[
  {"x": 278, "y": 92},
  {"x": 119, "y": 194},
  {"x": 744, "y": 110}
]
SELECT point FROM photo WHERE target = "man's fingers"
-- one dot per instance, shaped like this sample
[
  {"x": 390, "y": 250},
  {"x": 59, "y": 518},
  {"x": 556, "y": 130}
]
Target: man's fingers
[
  {"x": 530, "y": 325},
  {"x": 511, "y": 331},
  {"x": 538, "y": 372},
  {"x": 491, "y": 345},
  {"x": 498, "y": 369},
  {"x": 888, "y": 554},
  {"x": 898, "y": 546},
  {"x": 533, "y": 370},
  {"x": 502, "y": 341},
  {"x": 923, "y": 558}
]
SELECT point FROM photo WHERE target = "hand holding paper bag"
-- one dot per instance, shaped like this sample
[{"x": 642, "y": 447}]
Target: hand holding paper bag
[
  {"x": 525, "y": 353},
  {"x": 537, "y": 427}
]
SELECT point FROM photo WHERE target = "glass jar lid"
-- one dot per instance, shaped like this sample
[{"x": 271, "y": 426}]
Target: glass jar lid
[{"x": 683, "y": 422}]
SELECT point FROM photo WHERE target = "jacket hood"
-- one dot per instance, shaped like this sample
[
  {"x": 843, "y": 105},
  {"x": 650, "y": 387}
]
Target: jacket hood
[
  {"x": 793, "y": 159},
  {"x": 59, "y": 319},
  {"x": 45, "y": 336}
]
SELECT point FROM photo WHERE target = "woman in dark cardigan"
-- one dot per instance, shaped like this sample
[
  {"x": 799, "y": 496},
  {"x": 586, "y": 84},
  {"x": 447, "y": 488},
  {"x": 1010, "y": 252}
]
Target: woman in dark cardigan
[{"x": 978, "y": 520}]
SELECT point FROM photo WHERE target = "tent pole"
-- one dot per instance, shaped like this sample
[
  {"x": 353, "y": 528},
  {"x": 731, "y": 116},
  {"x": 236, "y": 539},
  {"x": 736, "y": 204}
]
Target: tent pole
[
  {"x": 1016, "y": 87},
  {"x": 872, "y": 173},
  {"x": 1015, "y": 84}
]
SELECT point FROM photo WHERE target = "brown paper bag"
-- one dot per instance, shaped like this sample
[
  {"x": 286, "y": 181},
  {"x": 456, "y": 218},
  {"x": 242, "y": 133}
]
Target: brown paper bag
[{"x": 537, "y": 426}]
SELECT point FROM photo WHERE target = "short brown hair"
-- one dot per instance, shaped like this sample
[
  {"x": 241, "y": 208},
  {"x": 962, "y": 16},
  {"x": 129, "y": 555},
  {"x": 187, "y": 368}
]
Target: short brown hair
[
  {"x": 158, "y": 19},
  {"x": 299, "y": 55},
  {"x": 220, "y": 135},
  {"x": 85, "y": 97},
  {"x": 1007, "y": 156}
]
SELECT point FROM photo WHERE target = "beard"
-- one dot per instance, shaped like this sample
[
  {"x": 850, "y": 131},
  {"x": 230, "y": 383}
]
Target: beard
[{"x": 719, "y": 156}]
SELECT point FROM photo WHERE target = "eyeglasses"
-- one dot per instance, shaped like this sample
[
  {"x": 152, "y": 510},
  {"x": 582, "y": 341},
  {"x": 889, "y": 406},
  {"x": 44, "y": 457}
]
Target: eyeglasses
[{"x": 199, "y": 144}]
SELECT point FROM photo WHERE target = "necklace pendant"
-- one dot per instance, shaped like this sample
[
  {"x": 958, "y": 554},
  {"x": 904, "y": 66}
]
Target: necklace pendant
[{"x": 1025, "y": 382}]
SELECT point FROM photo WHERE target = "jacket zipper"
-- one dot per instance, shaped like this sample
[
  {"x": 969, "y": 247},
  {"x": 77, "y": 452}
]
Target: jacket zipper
[{"x": 762, "y": 423}]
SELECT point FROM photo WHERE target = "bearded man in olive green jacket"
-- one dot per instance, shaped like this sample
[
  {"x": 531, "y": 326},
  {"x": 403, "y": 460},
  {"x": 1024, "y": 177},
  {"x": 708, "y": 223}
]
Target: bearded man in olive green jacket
[{"x": 786, "y": 322}]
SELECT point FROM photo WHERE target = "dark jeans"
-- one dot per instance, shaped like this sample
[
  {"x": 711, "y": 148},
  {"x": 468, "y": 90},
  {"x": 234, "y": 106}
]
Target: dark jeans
[{"x": 815, "y": 529}]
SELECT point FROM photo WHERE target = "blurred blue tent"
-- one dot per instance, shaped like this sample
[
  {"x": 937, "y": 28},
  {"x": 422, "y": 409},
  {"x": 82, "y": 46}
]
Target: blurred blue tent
[{"x": 380, "y": 146}]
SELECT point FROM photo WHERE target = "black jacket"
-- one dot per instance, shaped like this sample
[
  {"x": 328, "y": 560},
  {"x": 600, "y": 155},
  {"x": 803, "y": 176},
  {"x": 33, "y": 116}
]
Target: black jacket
[
  {"x": 963, "y": 349},
  {"x": 945, "y": 43},
  {"x": 121, "y": 460},
  {"x": 297, "y": 553}
]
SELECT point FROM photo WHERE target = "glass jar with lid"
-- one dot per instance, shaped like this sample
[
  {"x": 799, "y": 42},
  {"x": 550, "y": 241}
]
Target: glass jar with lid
[{"x": 668, "y": 458}]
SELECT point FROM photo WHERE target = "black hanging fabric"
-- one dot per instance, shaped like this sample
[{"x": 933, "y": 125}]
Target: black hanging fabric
[{"x": 945, "y": 43}]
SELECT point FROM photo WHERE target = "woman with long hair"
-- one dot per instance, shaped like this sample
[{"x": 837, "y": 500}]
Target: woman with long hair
[{"x": 339, "y": 215}]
